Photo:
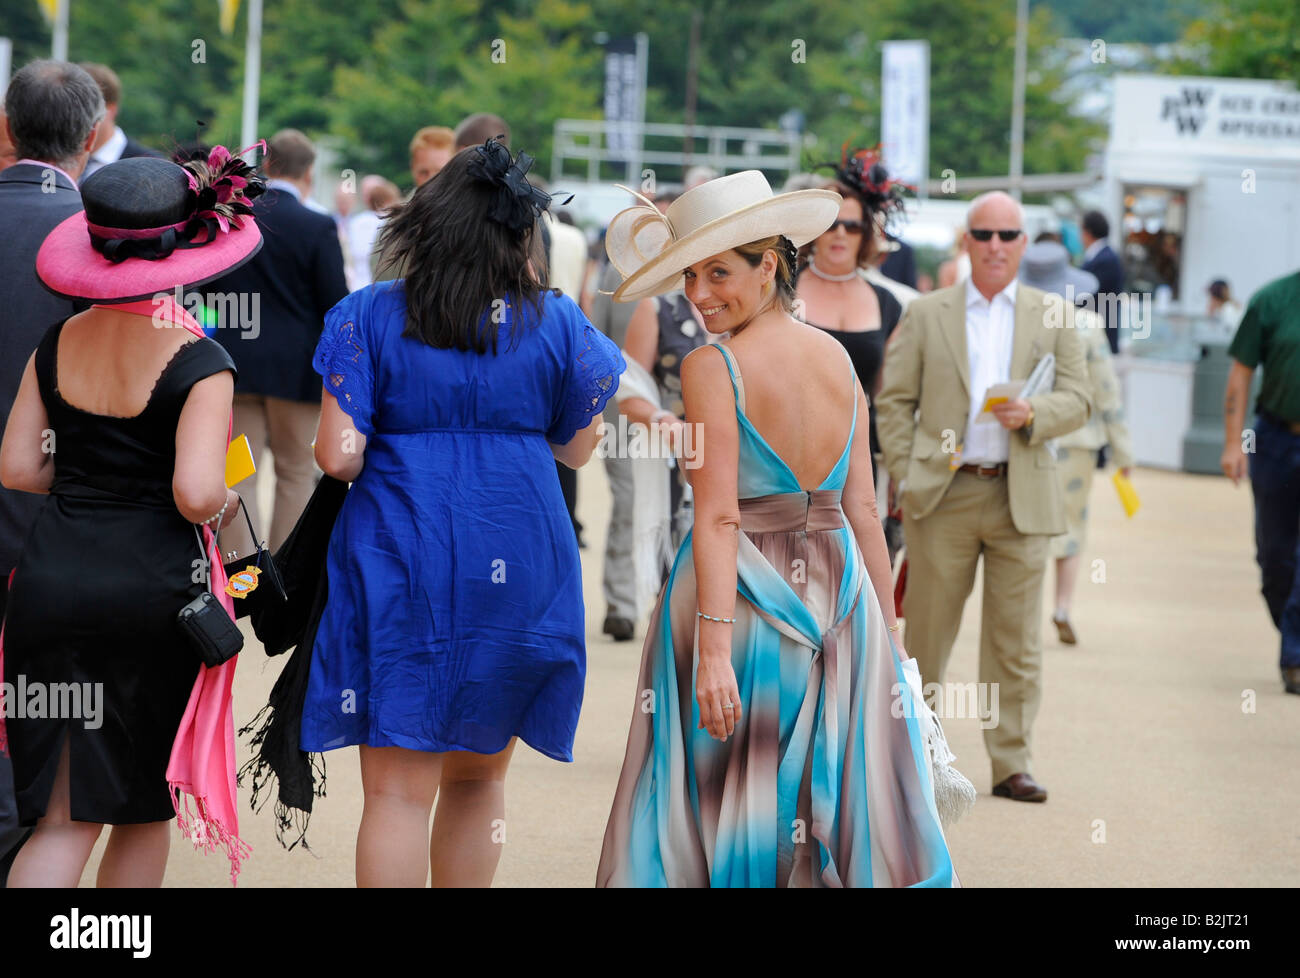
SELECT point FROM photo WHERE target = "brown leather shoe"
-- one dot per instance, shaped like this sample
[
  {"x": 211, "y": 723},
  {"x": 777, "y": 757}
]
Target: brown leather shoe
[
  {"x": 1020, "y": 787},
  {"x": 1065, "y": 631}
]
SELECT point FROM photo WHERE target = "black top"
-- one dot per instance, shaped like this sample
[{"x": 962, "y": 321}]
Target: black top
[{"x": 866, "y": 348}]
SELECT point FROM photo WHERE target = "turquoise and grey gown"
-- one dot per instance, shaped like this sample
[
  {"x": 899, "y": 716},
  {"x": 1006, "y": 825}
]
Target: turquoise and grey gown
[{"x": 825, "y": 781}]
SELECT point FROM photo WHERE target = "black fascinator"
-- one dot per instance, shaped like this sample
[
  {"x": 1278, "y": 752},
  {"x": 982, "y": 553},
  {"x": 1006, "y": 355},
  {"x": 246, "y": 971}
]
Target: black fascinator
[{"x": 518, "y": 203}]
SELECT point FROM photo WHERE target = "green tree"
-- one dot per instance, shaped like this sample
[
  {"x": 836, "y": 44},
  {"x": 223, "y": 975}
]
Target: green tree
[
  {"x": 1245, "y": 39},
  {"x": 972, "y": 58}
]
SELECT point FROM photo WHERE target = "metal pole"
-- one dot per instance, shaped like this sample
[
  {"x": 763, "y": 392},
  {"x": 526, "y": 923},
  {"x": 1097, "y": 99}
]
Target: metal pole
[
  {"x": 692, "y": 75},
  {"x": 59, "y": 50},
  {"x": 1018, "y": 99},
  {"x": 643, "y": 79},
  {"x": 6, "y": 62},
  {"x": 252, "y": 75}
]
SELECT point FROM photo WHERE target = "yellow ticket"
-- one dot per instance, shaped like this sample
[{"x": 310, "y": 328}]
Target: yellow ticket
[
  {"x": 993, "y": 402},
  {"x": 1128, "y": 496},
  {"x": 239, "y": 461}
]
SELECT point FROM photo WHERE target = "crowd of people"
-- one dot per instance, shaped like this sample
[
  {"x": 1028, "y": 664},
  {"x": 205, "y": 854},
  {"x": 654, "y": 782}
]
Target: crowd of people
[{"x": 834, "y": 467}]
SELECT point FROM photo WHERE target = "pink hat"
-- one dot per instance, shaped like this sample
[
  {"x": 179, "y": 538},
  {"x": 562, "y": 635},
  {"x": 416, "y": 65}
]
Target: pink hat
[{"x": 150, "y": 225}]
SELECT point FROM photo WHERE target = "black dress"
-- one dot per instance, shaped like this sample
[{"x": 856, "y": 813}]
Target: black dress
[
  {"x": 866, "y": 348},
  {"x": 105, "y": 568}
]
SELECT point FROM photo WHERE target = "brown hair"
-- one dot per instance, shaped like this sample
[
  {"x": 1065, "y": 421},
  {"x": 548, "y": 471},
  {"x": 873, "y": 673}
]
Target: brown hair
[
  {"x": 106, "y": 78},
  {"x": 289, "y": 154},
  {"x": 479, "y": 128},
  {"x": 753, "y": 253},
  {"x": 867, "y": 246}
]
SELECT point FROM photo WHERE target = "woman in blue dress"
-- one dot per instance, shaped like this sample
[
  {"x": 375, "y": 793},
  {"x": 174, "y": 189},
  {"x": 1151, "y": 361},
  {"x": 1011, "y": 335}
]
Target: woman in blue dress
[
  {"x": 455, "y": 620},
  {"x": 774, "y": 740}
]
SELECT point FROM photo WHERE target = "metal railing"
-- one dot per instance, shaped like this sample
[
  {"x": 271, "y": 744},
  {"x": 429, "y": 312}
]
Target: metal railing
[{"x": 668, "y": 149}]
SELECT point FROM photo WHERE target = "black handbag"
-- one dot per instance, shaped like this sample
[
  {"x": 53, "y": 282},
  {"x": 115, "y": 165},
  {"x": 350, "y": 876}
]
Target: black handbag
[
  {"x": 259, "y": 570},
  {"x": 215, "y": 637}
]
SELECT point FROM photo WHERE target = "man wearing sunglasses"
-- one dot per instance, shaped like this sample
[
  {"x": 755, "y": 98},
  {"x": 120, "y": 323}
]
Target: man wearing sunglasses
[{"x": 972, "y": 487}]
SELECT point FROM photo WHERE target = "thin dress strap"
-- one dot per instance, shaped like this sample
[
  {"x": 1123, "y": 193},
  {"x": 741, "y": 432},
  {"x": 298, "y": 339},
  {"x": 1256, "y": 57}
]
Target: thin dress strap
[
  {"x": 853, "y": 386},
  {"x": 737, "y": 382}
]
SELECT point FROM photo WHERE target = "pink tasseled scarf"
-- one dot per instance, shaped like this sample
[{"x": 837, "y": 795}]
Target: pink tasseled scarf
[{"x": 202, "y": 763}]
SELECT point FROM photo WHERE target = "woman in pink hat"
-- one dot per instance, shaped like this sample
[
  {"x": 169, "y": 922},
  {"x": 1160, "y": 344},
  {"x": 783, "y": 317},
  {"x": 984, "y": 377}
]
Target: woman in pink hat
[{"x": 125, "y": 426}]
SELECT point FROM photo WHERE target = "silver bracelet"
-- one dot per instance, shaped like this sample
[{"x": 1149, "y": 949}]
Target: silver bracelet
[{"x": 700, "y": 614}]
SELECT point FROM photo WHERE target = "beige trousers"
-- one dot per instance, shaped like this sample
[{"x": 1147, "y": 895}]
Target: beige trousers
[
  {"x": 288, "y": 429},
  {"x": 974, "y": 518}
]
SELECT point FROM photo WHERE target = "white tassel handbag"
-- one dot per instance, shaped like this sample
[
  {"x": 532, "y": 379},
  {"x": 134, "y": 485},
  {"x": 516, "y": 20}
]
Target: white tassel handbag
[{"x": 954, "y": 795}]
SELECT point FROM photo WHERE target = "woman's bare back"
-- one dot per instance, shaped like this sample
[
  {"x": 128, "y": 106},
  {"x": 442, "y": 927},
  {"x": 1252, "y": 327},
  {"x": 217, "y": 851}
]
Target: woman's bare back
[
  {"x": 108, "y": 362},
  {"x": 800, "y": 388}
]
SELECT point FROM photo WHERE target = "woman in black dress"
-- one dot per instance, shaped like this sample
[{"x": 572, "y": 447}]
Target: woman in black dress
[
  {"x": 832, "y": 285},
  {"x": 124, "y": 425}
]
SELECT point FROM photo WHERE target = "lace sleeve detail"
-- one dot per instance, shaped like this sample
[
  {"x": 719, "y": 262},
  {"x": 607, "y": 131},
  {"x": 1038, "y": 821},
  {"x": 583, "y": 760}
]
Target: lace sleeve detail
[
  {"x": 344, "y": 364},
  {"x": 592, "y": 381}
]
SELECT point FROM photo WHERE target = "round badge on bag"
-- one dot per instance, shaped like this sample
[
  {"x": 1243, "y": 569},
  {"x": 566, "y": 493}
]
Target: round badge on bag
[{"x": 242, "y": 583}]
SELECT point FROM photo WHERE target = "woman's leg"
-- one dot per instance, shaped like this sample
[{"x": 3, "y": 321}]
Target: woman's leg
[
  {"x": 1067, "y": 573},
  {"x": 136, "y": 855},
  {"x": 56, "y": 853},
  {"x": 400, "y": 787},
  {"x": 470, "y": 824}
]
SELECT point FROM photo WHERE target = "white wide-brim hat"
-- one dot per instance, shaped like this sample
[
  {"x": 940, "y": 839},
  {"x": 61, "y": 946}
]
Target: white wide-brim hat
[{"x": 651, "y": 250}]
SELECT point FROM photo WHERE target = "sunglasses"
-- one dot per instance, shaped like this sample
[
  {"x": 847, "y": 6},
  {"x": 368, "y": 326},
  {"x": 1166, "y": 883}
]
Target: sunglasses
[
  {"x": 851, "y": 227},
  {"x": 984, "y": 234}
]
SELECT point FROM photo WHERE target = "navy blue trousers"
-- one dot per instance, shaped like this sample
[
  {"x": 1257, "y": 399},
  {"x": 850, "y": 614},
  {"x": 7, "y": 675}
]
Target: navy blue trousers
[{"x": 1275, "y": 479}]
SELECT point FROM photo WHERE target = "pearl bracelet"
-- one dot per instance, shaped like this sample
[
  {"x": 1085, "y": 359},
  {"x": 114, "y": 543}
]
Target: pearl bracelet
[
  {"x": 700, "y": 614},
  {"x": 220, "y": 514}
]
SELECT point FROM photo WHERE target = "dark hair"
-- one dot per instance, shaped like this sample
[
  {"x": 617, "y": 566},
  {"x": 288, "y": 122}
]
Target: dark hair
[
  {"x": 479, "y": 128},
  {"x": 753, "y": 253},
  {"x": 52, "y": 106},
  {"x": 1219, "y": 289},
  {"x": 459, "y": 263},
  {"x": 1095, "y": 223},
  {"x": 867, "y": 245},
  {"x": 289, "y": 154},
  {"x": 1047, "y": 236}
]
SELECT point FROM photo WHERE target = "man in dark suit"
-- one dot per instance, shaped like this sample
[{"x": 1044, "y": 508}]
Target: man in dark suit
[
  {"x": 112, "y": 144},
  {"x": 1100, "y": 259},
  {"x": 270, "y": 314},
  {"x": 51, "y": 111}
]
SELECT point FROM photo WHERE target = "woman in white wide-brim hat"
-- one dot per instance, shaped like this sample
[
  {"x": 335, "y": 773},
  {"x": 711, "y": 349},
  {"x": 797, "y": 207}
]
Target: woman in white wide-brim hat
[{"x": 774, "y": 738}]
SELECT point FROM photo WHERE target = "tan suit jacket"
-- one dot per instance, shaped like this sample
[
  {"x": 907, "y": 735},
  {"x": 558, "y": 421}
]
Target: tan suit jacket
[{"x": 924, "y": 402}]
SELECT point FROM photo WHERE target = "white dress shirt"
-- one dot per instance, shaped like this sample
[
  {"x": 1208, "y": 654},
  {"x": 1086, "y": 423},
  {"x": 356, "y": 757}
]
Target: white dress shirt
[
  {"x": 1091, "y": 252},
  {"x": 362, "y": 234},
  {"x": 990, "y": 327},
  {"x": 110, "y": 152}
]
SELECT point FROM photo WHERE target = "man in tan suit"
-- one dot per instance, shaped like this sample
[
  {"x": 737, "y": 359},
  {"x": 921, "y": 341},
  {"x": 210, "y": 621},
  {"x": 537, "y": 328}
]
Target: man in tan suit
[{"x": 987, "y": 488}]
